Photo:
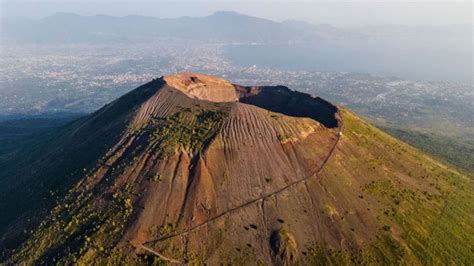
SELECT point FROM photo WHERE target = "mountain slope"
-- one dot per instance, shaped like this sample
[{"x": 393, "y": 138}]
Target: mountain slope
[
  {"x": 194, "y": 169},
  {"x": 454, "y": 150}
]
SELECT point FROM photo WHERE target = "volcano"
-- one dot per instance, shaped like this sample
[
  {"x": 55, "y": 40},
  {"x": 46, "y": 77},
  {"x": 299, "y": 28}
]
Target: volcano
[{"x": 191, "y": 168}]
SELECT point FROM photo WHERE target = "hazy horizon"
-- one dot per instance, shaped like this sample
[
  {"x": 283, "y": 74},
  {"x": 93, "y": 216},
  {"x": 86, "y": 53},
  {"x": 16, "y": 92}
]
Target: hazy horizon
[{"x": 346, "y": 14}]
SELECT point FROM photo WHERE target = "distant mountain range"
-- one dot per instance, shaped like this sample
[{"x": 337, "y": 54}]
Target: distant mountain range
[{"x": 220, "y": 26}]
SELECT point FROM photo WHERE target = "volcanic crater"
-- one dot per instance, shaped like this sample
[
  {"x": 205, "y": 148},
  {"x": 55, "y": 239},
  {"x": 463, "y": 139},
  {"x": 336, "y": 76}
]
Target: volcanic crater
[{"x": 191, "y": 168}]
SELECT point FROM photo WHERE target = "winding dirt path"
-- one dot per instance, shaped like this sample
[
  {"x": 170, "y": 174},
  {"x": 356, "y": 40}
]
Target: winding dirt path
[
  {"x": 195, "y": 227},
  {"x": 159, "y": 254}
]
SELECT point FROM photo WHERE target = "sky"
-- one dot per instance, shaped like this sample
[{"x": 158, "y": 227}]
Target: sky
[{"x": 340, "y": 13}]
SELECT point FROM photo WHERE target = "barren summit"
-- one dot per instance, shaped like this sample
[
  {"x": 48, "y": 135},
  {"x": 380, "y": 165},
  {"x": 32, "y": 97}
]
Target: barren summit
[
  {"x": 191, "y": 168},
  {"x": 203, "y": 87}
]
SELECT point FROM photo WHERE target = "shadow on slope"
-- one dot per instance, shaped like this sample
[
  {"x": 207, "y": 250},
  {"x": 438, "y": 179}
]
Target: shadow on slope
[
  {"x": 282, "y": 100},
  {"x": 44, "y": 168}
]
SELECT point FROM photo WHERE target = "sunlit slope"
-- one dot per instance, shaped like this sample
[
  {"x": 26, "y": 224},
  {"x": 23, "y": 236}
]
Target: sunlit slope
[{"x": 401, "y": 204}]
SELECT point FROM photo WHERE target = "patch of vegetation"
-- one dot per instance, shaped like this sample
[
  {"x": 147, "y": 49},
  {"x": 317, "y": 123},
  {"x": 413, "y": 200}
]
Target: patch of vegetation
[
  {"x": 443, "y": 235},
  {"x": 386, "y": 227},
  {"x": 283, "y": 248},
  {"x": 166, "y": 229},
  {"x": 151, "y": 260},
  {"x": 394, "y": 195},
  {"x": 283, "y": 137},
  {"x": 156, "y": 177},
  {"x": 186, "y": 129},
  {"x": 82, "y": 228},
  {"x": 459, "y": 152},
  {"x": 384, "y": 251}
]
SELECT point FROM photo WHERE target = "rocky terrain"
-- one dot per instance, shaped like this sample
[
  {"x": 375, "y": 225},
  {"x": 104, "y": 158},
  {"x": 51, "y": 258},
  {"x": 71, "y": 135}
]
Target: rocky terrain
[{"x": 194, "y": 169}]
